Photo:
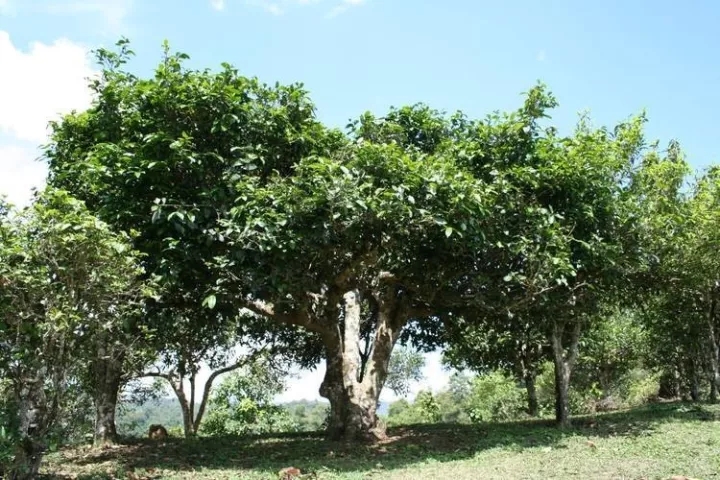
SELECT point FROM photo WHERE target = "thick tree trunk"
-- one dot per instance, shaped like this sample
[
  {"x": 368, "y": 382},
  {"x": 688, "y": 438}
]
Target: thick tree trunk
[
  {"x": 105, "y": 429},
  {"x": 28, "y": 458},
  {"x": 353, "y": 397},
  {"x": 108, "y": 372},
  {"x": 564, "y": 362},
  {"x": 693, "y": 380},
  {"x": 533, "y": 405},
  {"x": 695, "y": 388}
]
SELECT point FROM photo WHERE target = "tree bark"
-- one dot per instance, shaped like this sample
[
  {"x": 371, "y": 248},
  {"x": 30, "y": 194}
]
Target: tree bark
[
  {"x": 353, "y": 397},
  {"x": 695, "y": 389},
  {"x": 192, "y": 419},
  {"x": 714, "y": 338},
  {"x": 533, "y": 405},
  {"x": 34, "y": 421},
  {"x": 107, "y": 376},
  {"x": 188, "y": 424},
  {"x": 564, "y": 362}
]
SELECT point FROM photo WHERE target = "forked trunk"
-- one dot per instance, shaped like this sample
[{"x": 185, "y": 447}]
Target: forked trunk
[
  {"x": 564, "y": 362},
  {"x": 354, "y": 391}
]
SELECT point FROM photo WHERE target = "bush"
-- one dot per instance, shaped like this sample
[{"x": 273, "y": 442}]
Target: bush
[
  {"x": 495, "y": 397},
  {"x": 640, "y": 386},
  {"x": 247, "y": 417},
  {"x": 425, "y": 409},
  {"x": 9, "y": 438}
]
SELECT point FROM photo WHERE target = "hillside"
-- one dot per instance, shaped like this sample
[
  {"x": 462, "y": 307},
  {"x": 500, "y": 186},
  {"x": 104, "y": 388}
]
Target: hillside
[{"x": 657, "y": 441}]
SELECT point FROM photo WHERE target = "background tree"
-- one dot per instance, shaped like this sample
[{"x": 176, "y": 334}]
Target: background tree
[
  {"x": 405, "y": 367},
  {"x": 510, "y": 344},
  {"x": 243, "y": 402},
  {"x": 567, "y": 235},
  {"x": 610, "y": 349},
  {"x": 65, "y": 280}
]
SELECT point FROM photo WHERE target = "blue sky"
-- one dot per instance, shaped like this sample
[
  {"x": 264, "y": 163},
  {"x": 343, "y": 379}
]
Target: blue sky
[{"x": 612, "y": 58}]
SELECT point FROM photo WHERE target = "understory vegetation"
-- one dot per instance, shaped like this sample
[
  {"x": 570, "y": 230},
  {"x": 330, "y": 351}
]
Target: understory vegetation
[{"x": 203, "y": 224}]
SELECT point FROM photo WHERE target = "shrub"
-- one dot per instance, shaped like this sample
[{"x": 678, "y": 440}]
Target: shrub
[{"x": 495, "y": 397}]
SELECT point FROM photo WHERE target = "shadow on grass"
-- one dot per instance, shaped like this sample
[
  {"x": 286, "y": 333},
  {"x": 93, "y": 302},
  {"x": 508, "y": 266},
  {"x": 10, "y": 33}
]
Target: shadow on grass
[{"x": 405, "y": 445}]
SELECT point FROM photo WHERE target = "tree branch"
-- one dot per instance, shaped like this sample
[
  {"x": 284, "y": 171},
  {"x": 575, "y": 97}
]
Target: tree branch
[
  {"x": 267, "y": 309},
  {"x": 208, "y": 386}
]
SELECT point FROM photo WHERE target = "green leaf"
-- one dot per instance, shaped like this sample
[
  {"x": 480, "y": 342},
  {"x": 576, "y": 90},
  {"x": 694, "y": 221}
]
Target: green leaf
[{"x": 210, "y": 301}]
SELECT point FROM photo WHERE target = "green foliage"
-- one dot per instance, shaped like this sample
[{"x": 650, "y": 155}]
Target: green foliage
[
  {"x": 9, "y": 427},
  {"x": 134, "y": 419},
  {"x": 428, "y": 406},
  {"x": 500, "y": 237},
  {"x": 243, "y": 403},
  {"x": 307, "y": 416},
  {"x": 495, "y": 397},
  {"x": 640, "y": 387},
  {"x": 405, "y": 367},
  {"x": 66, "y": 279},
  {"x": 612, "y": 347}
]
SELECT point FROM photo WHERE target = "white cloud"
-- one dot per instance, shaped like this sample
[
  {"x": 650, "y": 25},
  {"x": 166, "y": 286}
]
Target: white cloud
[
  {"x": 218, "y": 4},
  {"x": 541, "y": 56},
  {"x": 20, "y": 172},
  {"x": 343, "y": 7},
  {"x": 274, "y": 8},
  {"x": 38, "y": 85}
]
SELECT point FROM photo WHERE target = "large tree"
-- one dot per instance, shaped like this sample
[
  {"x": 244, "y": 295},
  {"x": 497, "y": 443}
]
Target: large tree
[
  {"x": 360, "y": 243},
  {"x": 150, "y": 157},
  {"x": 242, "y": 199}
]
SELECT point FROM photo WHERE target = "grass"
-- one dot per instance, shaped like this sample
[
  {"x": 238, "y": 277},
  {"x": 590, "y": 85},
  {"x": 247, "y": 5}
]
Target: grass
[{"x": 653, "y": 442}]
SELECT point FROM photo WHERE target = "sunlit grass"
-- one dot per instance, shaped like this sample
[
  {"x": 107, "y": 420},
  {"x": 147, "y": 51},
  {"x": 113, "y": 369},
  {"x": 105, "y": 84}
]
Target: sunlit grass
[{"x": 652, "y": 442}]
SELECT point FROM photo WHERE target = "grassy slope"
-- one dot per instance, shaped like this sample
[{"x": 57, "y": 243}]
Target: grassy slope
[{"x": 652, "y": 442}]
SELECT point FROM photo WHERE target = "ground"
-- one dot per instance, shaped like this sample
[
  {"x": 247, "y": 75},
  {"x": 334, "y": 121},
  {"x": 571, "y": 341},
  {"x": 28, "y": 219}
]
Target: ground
[{"x": 654, "y": 442}]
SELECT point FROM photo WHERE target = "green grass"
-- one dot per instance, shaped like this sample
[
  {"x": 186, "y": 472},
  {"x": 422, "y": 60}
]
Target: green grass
[{"x": 653, "y": 442}]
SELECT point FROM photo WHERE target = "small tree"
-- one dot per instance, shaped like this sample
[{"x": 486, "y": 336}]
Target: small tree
[
  {"x": 65, "y": 280},
  {"x": 567, "y": 226},
  {"x": 243, "y": 402},
  {"x": 405, "y": 368}
]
